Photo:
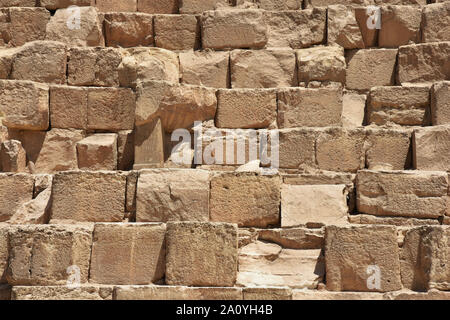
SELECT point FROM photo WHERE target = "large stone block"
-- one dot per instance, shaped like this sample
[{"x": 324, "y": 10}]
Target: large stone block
[
  {"x": 57, "y": 4},
  {"x": 222, "y": 29},
  {"x": 246, "y": 199},
  {"x": 431, "y": 148},
  {"x": 84, "y": 292},
  {"x": 128, "y": 253},
  {"x": 297, "y": 148},
  {"x": 112, "y": 5},
  {"x": 400, "y": 25},
  {"x": 195, "y": 6},
  {"x": 402, "y": 193},
  {"x": 353, "y": 110},
  {"x": 46, "y": 254},
  {"x": 279, "y": 5},
  {"x": 426, "y": 62},
  {"x": 13, "y": 157},
  {"x": 160, "y": 6},
  {"x": 440, "y": 103},
  {"x": 436, "y": 22},
  {"x": 4, "y": 251},
  {"x": 173, "y": 195},
  {"x": 126, "y": 29},
  {"x": 24, "y": 105},
  {"x": 302, "y": 107},
  {"x": 294, "y": 238},
  {"x": 263, "y": 69},
  {"x": 68, "y": 107},
  {"x": 177, "y": 32},
  {"x": 246, "y": 108},
  {"x": 98, "y": 152},
  {"x": 88, "y": 196},
  {"x": 343, "y": 28},
  {"x": 201, "y": 254},
  {"x": 362, "y": 259}
]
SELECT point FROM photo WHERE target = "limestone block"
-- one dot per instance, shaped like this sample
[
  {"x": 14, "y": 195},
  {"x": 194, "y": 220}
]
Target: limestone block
[
  {"x": 126, "y": 29},
  {"x": 98, "y": 152}
]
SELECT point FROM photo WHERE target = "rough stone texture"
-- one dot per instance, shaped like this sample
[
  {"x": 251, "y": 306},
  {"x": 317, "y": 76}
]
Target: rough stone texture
[
  {"x": 149, "y": 145},
  {"x": 88, "y": 196},
  {"x": 40, "y": 255},
  {"x": 111, "y": 5},
  {"x": 349, "y": 251},
  {"x": 88, "y": 34},
  {"x": 436, "y": 22},
  {"x": 296, "y": 29},
  {"x": 84, "y": 292},
  {"x": 400, "y": 25},
  {"x": 294, "y": 238},
  {"x": 173, "y": 195},
  {"x": 313, "y": 204},
  {"x": 263, "y": 69},
  {"x": 57, "y": 4},
  {"x": 353, "y": 110},
  {"x": 194, "y": 6},
  {"x": 415, "y": 65},
  {"x": 402, "y": 193},
  {"x": 24, "y": 105},
  {"x": 302, "y": 107},
  {"x": 162, "y": 6},
  {"x": 222, "y": 29},
  {"x": 128, "y": 253},
  {"x": 177, "y": 32},
  {"x": 343, "y": 28},
  {"x": 297, "y": 148},
  {"x": 4, "y": 252},
  {"x": 126, "y": 29},
  {"x": 201, "y": 254},
  {"x": 98, "y": 152},
  {"x": 246, "y": 199},
  {"x": 432, "y": 148},
  {"x": 68, "y": 107},
  {"x": 205, "y": 68},
  {"x": 22, "y": 184},
  {"x": 407, "y": 106},
  {"x": 268, "y": 293},
  {"x": 13, "y": 157},
  {"x": 440, "y": 103},
  {"x": 368, "y": 68},
  {"x": 333, "y": 295},
  {"x": 246, "y": 108}
]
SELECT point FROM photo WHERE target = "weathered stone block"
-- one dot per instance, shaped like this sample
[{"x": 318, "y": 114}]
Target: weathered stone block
[
  {"x": 431, "y": 148},
  {"x": 436, "y": 22},
  {"x": 440, "y": 103},
  {"x": 84, "y": 292},
  {"x": 160, "y": 6},
  {"x": 297, "y": 148},
  {"x": 343, "y": 28},
  {"x": 68, "y": 107},
  {"x": 294, "y": 238},
  {"x": 13, "y": 157},
  {"x": 126, "y": 29},
  {"x": 112, "y": 5},
  {"x": 98, "y": 152},
  {"x": 400, "y": 25},
  {"x": 177, "y": 32},
  {"x": 4, "y": 251},
  {"x": 194, "y": 6},
  {"x": 25, "y": 25},
  {"x": 353, "y": 110}
]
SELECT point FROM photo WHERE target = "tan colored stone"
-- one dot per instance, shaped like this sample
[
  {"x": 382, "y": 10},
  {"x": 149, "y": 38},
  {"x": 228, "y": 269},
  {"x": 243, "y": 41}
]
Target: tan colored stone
[
  {"x": 57, "y": 4},
  {"x": 61, "y": 28},
  {"x": 263, "y": 68},
  {"x": 297, "y": 28},
  {"x": 24, "y": 105},
  {"x": 410, "y": 295},
  {"x": 201, "y": 254},
  {"x": 313, "y": 204},
  {"x": 394, "y": 221},
  {"x": 149, "y": 145},
  {"x": 294, "y": 238},
  {"x": 125, "y": 149},
  {"x": 161, "y": 6},
  {"x": 367, "y": 18},
  {"x": 205, "y": 68},
  {"x": 246, "y": 108},
  {"x": 302, "y": 107},
  {"x": 126, "y": 29},
  {"x": 143, "y": 64},
  {"x": 297, "y": 148},
  {"x": 402, "y": 193},
  {"x": 343, "y": 28},
  {"x": 176, "y": 293},
  {"x": 25, "y": 25},
  {"x": 113, "y": 5},
  {"x": 4, "y": 252},
  {"x": 17, "y": 3},
  {"x": 178, "y": 106},
  {"x": 173, "y": 195},
  {"x": 128, "y": 253},
  {"x": 355, "y": 255},
  {"x": 425, "y": 63},
  {"x": 41, "y": 254},
  {"x": 279, "y": 5},
  {"x": 94, "y": 67},
  {"x": 222, "y": 29},
  {"x": 408, "y": 106},
  {"x": 332, "y": 295},
  {"x": 13, "y": 157},
  {"x": 88, "y": 196},
  {"x": 368, "y": 68},
  {"x": 194, "y": 6},
  {"x": 440, "y": 103},
  {"x": 84, "y": 292},
  {"x": 431, "y": 148},
  {"x": 400, "y": 25},
  {"x": 353, "y": 110},
  {"x": 177, "y": 32},
  {"x": 111, "y": 109},
  {"x": 98, "y": 152},
  {"x": 246, "y": 199},
  {"x": 340, "y": 149},
  {"x": 436, "y": 22},
  {"x": 270, "y": 293},
  {"x": 68, "y": 107}
]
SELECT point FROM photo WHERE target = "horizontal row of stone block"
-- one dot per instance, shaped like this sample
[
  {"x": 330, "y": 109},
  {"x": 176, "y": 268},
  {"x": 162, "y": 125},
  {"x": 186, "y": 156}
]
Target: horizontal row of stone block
[
  {"x": 353, "y": 258},
  {"x": 232, "y": 29}
]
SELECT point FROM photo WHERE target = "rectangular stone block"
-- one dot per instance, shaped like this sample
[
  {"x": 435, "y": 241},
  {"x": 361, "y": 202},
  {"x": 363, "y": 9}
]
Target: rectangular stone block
[
  {"x": 195, "y": 6},
  {"x": 201, "y": 254},
  {"x": 84, "y": 292},
  {"x": 431, "y": 148},
  {"x": 230, "y": 29},
  {"x": 440, "y": 103},
  {"x": 424, "y": 63},
  {"x": 271, "y": 293},
  {"x": 4, "y": 252},
  {"x": 24, "y": 105},
  {"x": 126, "y": 29},
  {"x": 313, "y": 205},
  {"x": 49, "y": 254},
  {"x": 400, "y": 25},
  {"x": 344, "y": 29},
  {"x": 246, "y": 108},
  {"x": 15, "y": 191},
  {"x": 128, "y": 253},
  {"x": 353, "y": 110},
  {"x": 246, "y": 199},
  {"x": 173, "y": 195},
  {"x": 88, "y": 196},
  {"x": 302, "y": 107},
  {"x": 157, "y": 6},
  {"x": 68, "y": 107},
  {"x": 57, "y": 4},
  {"x": 308, "y": 295},
  {"x": 111, "y": 109},
  {"x": 263, "y": 68},
  {"x": 114, "y": 5},
  {"x": 436, "y": 22},
  {"x": 177, "y": 32},
  {"x": 149, "y": 145},
  {"x": 98, "y": 152},
  {"x": 294, "y": 238},
  {"x": 279, "y": 5},
  {"x": 297, "y": 148},
  {"x": 362, "y": 259},
  {"x": 407, "y": 106},
  {"x": 402, "y": 193}
]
